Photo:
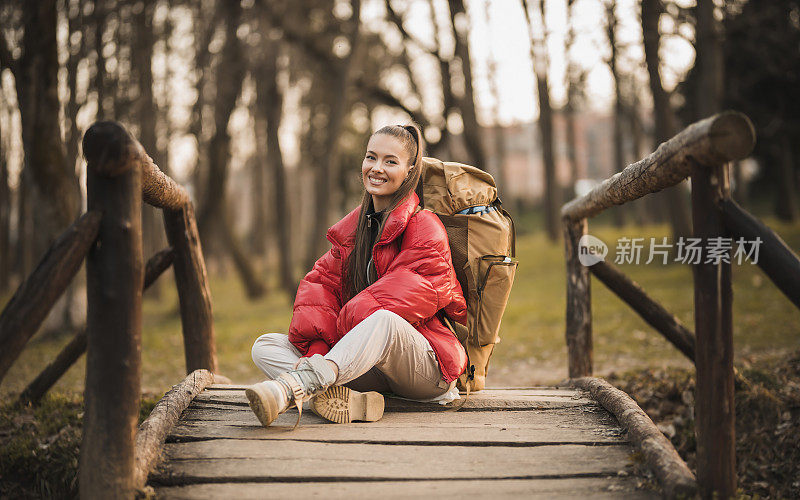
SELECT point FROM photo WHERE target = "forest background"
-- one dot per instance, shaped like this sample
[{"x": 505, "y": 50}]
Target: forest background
[{"x": 262, "y": 109}]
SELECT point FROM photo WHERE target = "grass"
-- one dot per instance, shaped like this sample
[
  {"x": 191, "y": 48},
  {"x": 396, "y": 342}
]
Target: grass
[
  {"x": 39, "y": 457},
  {"x": 532, "y": 350}
]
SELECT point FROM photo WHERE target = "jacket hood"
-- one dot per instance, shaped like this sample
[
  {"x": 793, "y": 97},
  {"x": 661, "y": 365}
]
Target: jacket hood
[{"x": 343, "y": 232}]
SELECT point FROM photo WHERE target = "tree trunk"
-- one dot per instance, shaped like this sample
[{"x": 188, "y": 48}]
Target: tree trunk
[
  {"x": 786, "y": 203},
  {"x": 146, "y": 113},
  {"x": 257, "y": 240},
  {"x": 37, "y": 90},
  {"x": 100, "y": 60},
  {"x": 24, "y": 250},
  {"x": 339, "y": 104},
  {"x": 617, "y": 158},
  {"x": 202, "y": 56},
  {"x": 709, "y": 62},
  {"x": 552, "y": 195},
  {"x": 646, "y": 209},
  {"x": 269, "y": 103},
  {"x": 574, "y": 84},
  {"x": 499, "y": 136},
  {"x": 473, "y": 133},
  {"x": 448, "y": 99},
  {"x": 76, "y": 54},
  {"x": 213, "y": 220},
  {"x": 673, "y": 201},
  {"x": 5, "y": 222}
]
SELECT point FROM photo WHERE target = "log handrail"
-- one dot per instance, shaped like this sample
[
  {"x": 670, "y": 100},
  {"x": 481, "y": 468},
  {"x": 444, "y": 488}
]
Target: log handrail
[
  {"x": 777, "y": 260},
  {"x": 702, "y": 152},
  {"x": 672, "y": 472},
  {"x": 718, "y": 139},
  {"x": 153, "y": 431},
  {"x": 650, "y": 310},
  {"x": 111, "y": 148},
  {"x": 35, "y": 296},
  {"x": 120, "y": 175},
  {"x": 35, "y": 390},
  {"x": 114, "y": 282},
  {"x": 108, "y": 144}
]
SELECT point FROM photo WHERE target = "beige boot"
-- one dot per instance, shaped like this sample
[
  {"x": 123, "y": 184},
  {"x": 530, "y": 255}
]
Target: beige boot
[
  {"x": 271, "y": 398},
  {"x": 268, "y": 400},
  {"x": 343, "y": 405}
]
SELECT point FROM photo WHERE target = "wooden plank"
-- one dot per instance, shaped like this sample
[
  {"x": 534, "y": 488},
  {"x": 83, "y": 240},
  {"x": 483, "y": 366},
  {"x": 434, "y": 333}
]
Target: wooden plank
[
  {"x": 569, "y": 487},
  {"x": 241, "y": 414},
  {"x": 251, "y": 460},
  {"x": 524, "y": 428},
  {"x": 483, "y": 401},
  {"x": 534, "y": 390}
]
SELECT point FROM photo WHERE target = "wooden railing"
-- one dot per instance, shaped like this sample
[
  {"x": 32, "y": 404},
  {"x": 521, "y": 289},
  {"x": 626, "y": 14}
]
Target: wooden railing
[
  {"x": 120, "y": 175},
  {"x": 702, "y": 153}
]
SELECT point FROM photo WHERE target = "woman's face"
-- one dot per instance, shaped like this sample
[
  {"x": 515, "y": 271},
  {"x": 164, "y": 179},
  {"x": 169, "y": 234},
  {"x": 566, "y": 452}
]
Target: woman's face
[{"x": 385, "y": 167}]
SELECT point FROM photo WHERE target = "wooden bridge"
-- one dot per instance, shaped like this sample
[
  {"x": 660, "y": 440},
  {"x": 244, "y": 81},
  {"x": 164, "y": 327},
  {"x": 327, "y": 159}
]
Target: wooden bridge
[
  {"x": 537, "y": 442},
  {"x": 584, "y": 439}
]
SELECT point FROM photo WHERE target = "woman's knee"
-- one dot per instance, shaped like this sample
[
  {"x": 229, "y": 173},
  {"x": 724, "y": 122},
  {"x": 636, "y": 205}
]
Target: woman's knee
[
  {"x": 267, "y": 344},
  {"x": 383, "y": 317}
]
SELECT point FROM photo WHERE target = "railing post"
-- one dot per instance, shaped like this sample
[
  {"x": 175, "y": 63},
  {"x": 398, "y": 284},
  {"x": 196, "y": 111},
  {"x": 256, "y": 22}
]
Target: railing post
[
  {"x": 193, "y": 293},
  {"x": 714, "y": 410},
  {"x": 114, "y": 272},
  {"x": 579, "y": 303}
]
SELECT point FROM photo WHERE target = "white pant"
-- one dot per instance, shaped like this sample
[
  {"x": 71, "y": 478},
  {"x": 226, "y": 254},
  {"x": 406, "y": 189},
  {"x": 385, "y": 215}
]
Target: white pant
[{"x": 382, "y": 353}]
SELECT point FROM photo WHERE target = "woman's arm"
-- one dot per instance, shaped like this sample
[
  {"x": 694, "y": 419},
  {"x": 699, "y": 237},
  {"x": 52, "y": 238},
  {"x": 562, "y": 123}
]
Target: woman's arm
[
  {"x": 419, "y": 282},
  {"x": 317, "y": 305}
]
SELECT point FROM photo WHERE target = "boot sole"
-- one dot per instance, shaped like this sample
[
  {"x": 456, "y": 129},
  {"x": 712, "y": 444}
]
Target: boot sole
[
  {"x": 262, "y": 407},
  {"x": 343, "y": 405}
]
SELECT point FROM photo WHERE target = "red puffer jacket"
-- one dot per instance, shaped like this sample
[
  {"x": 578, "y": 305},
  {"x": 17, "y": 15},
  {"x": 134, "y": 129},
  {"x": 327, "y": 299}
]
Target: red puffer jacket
[{"x": 416, "y": 279}]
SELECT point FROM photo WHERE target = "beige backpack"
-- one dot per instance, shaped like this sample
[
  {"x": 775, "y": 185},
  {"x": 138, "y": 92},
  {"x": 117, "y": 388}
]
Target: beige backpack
[{"x": 482, "y": 243}]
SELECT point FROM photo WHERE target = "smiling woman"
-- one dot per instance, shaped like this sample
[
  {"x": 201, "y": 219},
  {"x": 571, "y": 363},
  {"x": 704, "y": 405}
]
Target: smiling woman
[
  {"x": 386, "y": 165},
  {"x": 367, "y": 316}
]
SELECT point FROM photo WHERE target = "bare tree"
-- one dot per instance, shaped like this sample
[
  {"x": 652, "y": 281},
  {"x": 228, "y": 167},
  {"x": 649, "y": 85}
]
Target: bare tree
[
  {"x": 5, "y": 216},
  {"x": 552, "y": 195},
  {"x": 146, "y": 113},
  {"x": 613, "y": 60},
  {"x": 36, "y": 76},
  {"x": 575, "y": 82},
  {"x": 269, "y": 107},
  {"x": 213, "y": 217},
  {"x": 444, "y": 63},
  {"x": 472, "y": 130},
  {"x": 674, "y": 201},
  {"x": 498, "y": 133}
]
